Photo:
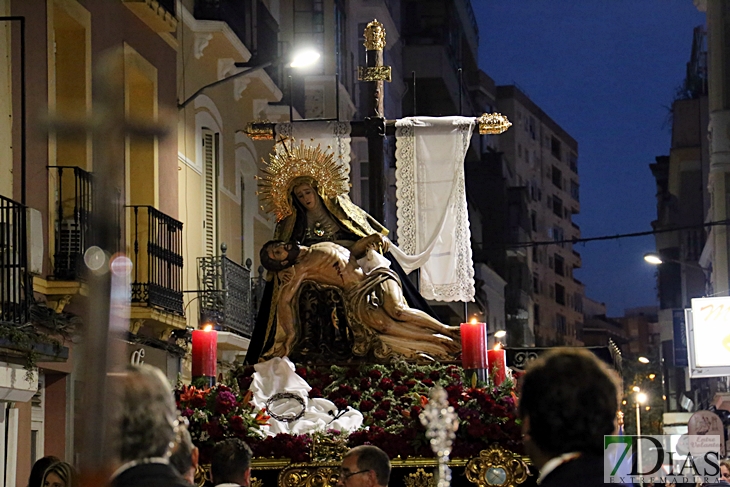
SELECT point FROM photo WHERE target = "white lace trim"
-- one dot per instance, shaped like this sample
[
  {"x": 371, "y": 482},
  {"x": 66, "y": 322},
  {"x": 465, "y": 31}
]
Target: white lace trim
[
  {"x": 336, "y": 135},
  {"x": 409, "y": 173}
]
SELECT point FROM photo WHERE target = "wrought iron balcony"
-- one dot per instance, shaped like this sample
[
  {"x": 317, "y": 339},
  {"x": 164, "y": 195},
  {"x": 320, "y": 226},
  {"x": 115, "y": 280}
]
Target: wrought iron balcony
[
  {"x": 72, "y": 195},
  {"x": 228, "y": 296},
  {"x": 16, "y": 284},
  {"x": 157, "y": 257}
]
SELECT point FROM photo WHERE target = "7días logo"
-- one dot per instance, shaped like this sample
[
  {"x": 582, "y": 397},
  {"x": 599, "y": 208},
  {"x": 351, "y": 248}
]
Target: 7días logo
[{"x": 661, "y": 458}]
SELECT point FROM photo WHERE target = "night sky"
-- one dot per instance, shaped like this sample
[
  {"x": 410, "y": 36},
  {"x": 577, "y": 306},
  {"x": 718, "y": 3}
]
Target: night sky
[{"x": 606, "y": 71}]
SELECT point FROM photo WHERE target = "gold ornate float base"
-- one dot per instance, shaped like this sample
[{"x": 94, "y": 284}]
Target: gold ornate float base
[{"x": 494, "y": 467}]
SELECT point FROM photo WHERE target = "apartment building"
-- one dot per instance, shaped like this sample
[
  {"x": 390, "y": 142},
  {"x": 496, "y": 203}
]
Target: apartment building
[
  {"x": 541, "y": 158},
  {"x": 684, "y": 200}
]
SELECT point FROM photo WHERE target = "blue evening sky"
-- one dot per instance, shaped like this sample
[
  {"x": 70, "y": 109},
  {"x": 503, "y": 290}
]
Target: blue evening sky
[{"x": 606, "y": 71}]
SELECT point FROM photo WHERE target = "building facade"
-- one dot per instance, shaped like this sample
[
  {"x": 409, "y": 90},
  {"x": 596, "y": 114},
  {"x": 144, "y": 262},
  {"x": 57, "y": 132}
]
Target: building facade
[{"x": 540, "y": 157}]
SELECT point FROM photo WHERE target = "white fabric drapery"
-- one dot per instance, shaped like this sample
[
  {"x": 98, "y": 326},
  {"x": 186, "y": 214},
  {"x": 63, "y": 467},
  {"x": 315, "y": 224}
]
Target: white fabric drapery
[
  {"x": 278, "y": 375},
  {"x": 335, "y": 135},
  {"x": 431, "y": 207}
]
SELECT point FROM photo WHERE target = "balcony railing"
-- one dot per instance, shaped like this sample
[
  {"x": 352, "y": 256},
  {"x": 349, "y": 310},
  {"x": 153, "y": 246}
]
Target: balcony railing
[
  {"x": 157, "y": 258},
  {"x": 228, "y": 295},
  {"x": 16, "y": 285},
  {"x": 72, "y": 208}
]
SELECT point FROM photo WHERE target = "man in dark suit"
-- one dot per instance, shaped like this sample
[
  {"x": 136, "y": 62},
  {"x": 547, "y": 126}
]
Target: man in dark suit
[
  {"x": 147, "y": 423},
  {"x": 568, "y": 402}
]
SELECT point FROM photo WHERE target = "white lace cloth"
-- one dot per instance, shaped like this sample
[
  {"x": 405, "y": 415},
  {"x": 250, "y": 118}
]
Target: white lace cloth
[
  {"x": 278, "y": 375},
  {"x": 335, "y": 135},
  {"x": 431, "y": 208}
]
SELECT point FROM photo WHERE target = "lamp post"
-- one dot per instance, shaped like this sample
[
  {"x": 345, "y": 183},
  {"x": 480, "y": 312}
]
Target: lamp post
[
  {"x": 640, "y": 399},
  {"x": 656, "y": 259},
  {"x": 301, "y": 59}
]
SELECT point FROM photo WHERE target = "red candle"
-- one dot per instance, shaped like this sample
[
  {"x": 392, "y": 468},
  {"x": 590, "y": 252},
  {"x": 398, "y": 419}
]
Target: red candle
[
  {"x": 205, "y": 352},
  {"x": 474, "y": 345},
  {"x": 498, "y": 364}
]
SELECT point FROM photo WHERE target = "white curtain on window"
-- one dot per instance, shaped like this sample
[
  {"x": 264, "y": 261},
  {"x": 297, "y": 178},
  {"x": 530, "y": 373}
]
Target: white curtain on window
[{"x": 431, "y": 208}]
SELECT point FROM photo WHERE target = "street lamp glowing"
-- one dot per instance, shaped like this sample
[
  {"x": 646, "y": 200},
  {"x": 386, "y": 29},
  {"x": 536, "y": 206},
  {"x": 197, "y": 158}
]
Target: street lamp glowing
[
  {"x": 641, "y": 397},
  {"x": 653, "y": 258},
  {"x": 500, "y": 333},
  {"x": 304, "y": 58},
  {"x": 643, "y": 360},
  {"x": 652, "y": 376},
  {"x": 636, "y": 389}
]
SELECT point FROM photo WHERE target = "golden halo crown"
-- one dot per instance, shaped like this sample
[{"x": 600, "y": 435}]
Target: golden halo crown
[{"x": 290, "y": 162}]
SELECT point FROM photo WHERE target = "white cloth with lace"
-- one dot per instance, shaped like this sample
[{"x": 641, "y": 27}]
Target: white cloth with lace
[
  {"x": 278, "y": 375},
  {"x": 431, "y": 203},
  {"x": 332, "y": 135}
]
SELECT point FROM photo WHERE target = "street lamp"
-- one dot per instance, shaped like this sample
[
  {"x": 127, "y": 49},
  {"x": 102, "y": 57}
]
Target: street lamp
[
  {"x": 654, "y": 258},
  {"x": 301, "y": 59},
  {"x": 643, "y": 360}
]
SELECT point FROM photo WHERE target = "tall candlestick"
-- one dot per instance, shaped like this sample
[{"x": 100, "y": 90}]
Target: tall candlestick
[
  {"x": 205, "y": 354},
  {"x": 498, "y": 364},
  {"x": 474, "y": 349}
]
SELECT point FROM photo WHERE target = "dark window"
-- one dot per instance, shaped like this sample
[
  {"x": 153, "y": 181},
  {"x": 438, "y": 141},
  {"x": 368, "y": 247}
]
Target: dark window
[
  {"x": 533, "y": 220},
  {"x": 560, "y": 324},
  {"x": 536, "y": 284},
  {"x": 574, "y": 163},
  {"x": 578, "y": 302},
  {"x": 560, "y": 294},
  {"x": 536, "y": 310},
  {"x": 555, "y": 148},
  {"x": 557, "y": 177},
  {"x": 575, "y": 190},
  {"x": 558, "y": 206},
  {"x": 559, "y": 265}
]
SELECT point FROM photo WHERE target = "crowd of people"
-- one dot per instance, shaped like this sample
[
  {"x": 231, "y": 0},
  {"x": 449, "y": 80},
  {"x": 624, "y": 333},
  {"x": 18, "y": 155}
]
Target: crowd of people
[{"x": 568, "y": 403}]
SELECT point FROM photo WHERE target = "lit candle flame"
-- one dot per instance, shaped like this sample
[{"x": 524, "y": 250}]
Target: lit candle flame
[
  {"x": 497, "y": 346},
  {"x": 208, "y": 327},
  {"x": 473, "y": 321}
]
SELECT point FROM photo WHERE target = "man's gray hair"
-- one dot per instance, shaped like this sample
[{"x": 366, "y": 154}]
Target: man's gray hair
[{"x": 147, "y": 416}]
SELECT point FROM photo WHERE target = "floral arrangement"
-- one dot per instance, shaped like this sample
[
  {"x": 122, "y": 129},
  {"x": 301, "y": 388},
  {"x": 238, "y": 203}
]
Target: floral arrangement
[
  {"x": 221, "y": 412},
  {"x": 390, "y": 397}
]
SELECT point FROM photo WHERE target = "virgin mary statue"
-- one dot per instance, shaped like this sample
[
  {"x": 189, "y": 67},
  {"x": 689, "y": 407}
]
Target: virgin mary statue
[{"x": 307, "y": 189}]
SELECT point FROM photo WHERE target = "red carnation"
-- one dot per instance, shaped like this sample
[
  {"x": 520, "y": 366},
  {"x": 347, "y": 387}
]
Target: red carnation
[
  {"x": 400, "y": 390},
  {"x": 418, "y": 375},
  {"x": 364, "y": 383},
  {"x": 366, "y": 405},
  {"x": 435, "y": 375},
  {"x": 341, "y": 403},
  {"x": 380, "y": 415},
  {"x": 378, "y": 395},
  {"x": 237, "y": 424},
  {"x": 385, "y": 406},
  {"x": 386, "y": 384},
  {"x": 375, "y": 374},
  {"x": 315, "y": 392},
  {"x": 427, "y": 382}
]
